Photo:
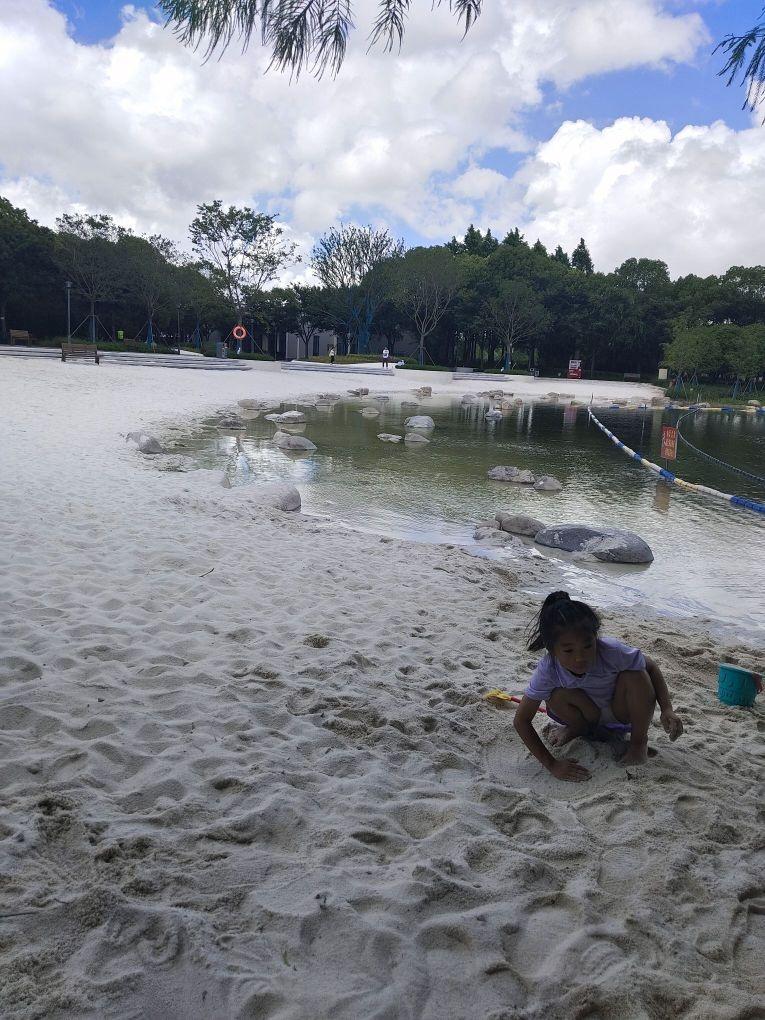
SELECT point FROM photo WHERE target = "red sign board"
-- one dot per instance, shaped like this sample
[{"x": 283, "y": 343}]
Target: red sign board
[
  {"x": 669, "y": 442},
  {"x": 574, "y": 370}
]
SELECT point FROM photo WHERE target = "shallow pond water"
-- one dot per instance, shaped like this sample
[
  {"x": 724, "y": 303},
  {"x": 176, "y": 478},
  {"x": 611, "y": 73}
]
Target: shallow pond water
[{"x": 709, "y": 558}]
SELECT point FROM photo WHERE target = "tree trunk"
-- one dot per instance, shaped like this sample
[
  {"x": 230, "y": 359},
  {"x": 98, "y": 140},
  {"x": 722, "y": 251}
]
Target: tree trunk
[{"x": 92, "y": 325}]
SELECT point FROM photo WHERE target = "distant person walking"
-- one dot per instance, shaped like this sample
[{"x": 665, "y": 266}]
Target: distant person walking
[
  {"x": 331, "y": 353},
  {"x": 385, "y": 357}
]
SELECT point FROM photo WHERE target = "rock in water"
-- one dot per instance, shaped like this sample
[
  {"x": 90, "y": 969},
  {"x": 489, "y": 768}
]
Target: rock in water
[
  {"x": 611, "y": 545},
  {"x": 415, "y": 439},
  {"x": 493, "y": 415},
  {"x": 388, "y": 437},
  {"x": 424, "y": 391},
  {"x": 518, "y": 524},
  {"x": 548, "y": 483},
  {"x": 145, "y": 442},
  {"x": 503, "y": 473},
  {"x": 420, "y": 421},
  {"x": 285, "y": 441},
  {"x": 508, "y": 473},
  {"x": 291, "y": 418}
]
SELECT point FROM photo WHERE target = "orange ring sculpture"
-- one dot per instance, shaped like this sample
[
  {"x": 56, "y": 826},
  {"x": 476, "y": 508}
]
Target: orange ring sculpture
[{"x": 239, "y": 332}]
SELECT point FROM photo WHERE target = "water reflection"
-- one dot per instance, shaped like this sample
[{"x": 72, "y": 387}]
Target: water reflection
[
  {"x": 709, "y": 558},
  {"x": 661, "y": 497}
]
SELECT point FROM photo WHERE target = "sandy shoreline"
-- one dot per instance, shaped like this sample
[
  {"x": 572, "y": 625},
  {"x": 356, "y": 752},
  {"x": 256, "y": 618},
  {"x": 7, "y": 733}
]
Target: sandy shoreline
[{"x": 247, "y": 769}]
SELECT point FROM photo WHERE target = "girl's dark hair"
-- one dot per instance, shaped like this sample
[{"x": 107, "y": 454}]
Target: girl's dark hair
[{"x": 559, "y": 612}]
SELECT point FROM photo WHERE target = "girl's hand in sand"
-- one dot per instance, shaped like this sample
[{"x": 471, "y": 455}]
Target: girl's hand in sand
[
  {"x": 569, "y": 771},
  {"x": 672, "y": 723}
]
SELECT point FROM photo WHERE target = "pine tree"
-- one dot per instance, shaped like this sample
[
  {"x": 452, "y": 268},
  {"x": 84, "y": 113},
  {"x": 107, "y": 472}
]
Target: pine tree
[
  {"x": 539, "y": 248},
  {"x": 514, "y": 239},
  {"x": 559, "y": 255},
  {"x": 580, "y": 258}
]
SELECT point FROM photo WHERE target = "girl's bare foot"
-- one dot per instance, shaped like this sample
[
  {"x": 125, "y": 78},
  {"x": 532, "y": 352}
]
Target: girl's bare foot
[
  {"x": 636, "y": 754},
  {"x": 558, "y": 736}
]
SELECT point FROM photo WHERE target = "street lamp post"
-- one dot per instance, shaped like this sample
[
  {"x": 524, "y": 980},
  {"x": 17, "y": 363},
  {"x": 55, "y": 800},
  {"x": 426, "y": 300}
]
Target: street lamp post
[{"x": 68, "y": 286}]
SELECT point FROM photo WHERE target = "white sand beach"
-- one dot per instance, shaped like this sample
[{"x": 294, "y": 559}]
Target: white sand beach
[{"x": 248, "y": 770}]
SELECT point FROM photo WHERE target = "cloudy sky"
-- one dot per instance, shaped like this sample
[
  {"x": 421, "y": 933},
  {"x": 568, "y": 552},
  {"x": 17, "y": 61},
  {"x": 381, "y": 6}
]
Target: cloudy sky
[{"x": 568, "y": 118}]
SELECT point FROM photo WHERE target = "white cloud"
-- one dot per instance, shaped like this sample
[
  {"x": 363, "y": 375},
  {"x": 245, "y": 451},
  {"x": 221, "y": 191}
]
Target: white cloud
[
  {"x": 693, "y": 199},
  {"x": 142, "y": 128}
]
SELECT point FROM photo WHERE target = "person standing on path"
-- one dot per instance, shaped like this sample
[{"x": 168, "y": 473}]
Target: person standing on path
[
  {"x": 331, "y": 353},
  {"x": 385, "y": 357}
]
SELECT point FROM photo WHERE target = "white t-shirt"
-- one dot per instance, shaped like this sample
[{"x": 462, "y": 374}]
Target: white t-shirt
[{"x": 386, "y": 352}]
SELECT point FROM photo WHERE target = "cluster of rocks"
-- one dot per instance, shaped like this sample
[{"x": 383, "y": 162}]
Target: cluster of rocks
[
  {"x": 609, "y": 545},
  {"x": 509, "y": 473},
  {"x": 424, "y": 391}
]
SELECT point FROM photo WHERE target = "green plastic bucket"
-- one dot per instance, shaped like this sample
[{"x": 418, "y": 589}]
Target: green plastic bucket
[{"x": 736, "y": 686}]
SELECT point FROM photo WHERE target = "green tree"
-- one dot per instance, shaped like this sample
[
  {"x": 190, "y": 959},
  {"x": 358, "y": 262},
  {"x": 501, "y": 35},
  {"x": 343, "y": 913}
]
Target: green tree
[
  {"x": 348, "y": 261},
  {"x": 559, "y": 255},
  {"x": 695, "y": 349},
  {"x": 513, "y": 314},
  {"x": 149, "y": 264},
  {"x": 25, "y": 259},
  {"x": 241, "y": 250},
  {"x": 425, "y": 287},
  {"x": 580, "y": 258},
  {"x": 310, "y": 313},
  {"x": 474, "y": 243},
  {"x": 299, "y": 34},
  {"x": 86, "y": 247},
  {"x": 746, "y": 351}
]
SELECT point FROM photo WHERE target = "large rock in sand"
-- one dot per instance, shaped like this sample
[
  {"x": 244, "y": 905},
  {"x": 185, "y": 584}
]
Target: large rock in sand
[
  {"x": 611, "y": 545},
  {"x": 518, "y": 524},
  {"x": 494, "y": 537},
  {"x": 286, "y": 441},
  {"x": 145, "y": 442},
  {"x": 508, "y": 473},
  {"x": 275, "y": 496},
  {"x": 548, "y": 483},
  {"x": 420, "y": 421}
]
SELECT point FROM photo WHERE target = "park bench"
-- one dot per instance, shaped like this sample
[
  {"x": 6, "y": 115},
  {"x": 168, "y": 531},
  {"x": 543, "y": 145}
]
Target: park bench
[
  {"x": 19, "y": 336},
  {"x": 632, "y": 376},
  {"x": 76, "y": 349}
]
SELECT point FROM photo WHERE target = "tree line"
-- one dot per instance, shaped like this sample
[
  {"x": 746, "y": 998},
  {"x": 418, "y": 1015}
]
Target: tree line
[{"x": 473, "y": 301}]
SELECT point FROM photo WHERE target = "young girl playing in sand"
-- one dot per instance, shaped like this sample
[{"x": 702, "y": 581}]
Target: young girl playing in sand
[{"x": 587, "y": 682}]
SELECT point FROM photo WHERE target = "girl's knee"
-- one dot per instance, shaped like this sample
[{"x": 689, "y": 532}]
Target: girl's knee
[
  {"x": 566, "y": 698},
  {"x": 634, "y": 681}
]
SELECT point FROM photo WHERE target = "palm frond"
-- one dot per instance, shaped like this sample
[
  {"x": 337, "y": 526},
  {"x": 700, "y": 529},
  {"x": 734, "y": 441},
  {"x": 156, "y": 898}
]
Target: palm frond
[
  {"x": 298, "y": 32},
  {"x": 752, "y": 73},
  {"x": 389, "y": 24}
]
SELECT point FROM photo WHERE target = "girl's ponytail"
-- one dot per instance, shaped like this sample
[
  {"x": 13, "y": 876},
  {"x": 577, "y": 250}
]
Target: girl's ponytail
[{"x": 558, "y": 612}]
